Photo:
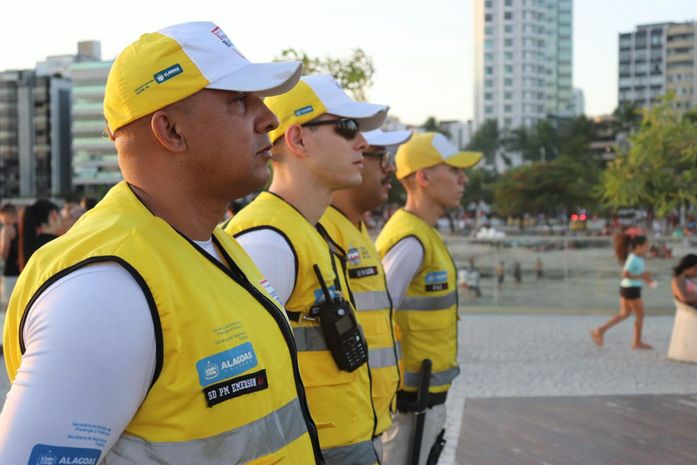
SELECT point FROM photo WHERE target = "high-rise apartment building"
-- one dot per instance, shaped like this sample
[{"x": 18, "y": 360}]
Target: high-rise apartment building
[
  {"x": 95, "y": 166},
  {"x": 523, "y": 61},
  {"x": 34, "y": 134},
  {"x": 657, "y": 59}
]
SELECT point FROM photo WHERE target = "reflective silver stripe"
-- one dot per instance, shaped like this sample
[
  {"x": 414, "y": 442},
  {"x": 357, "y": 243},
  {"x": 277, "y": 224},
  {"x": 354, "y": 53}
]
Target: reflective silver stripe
[
  {"x": 242, "y": 445},
  {"x": 382, "y": 358},
  {"x": 362, "y": 453},
  {"x": 438, "y": 378},
  {"x": 309, "y": 339},
  {"x": 371, "y": 300},
  {"x": 429, "y": 303}
]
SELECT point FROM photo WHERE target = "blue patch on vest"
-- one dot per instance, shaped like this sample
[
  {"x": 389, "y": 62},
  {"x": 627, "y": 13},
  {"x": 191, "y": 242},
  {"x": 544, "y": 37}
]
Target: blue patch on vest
[
  {"x": 319, "y": 294},
  {"x": 43, "y": 454},
  {"x": 304, "y": 110},
  {"x": 436, "y": 277},
  {"x": 226, "y": 364},
  {"x": 168, "y": 73}
]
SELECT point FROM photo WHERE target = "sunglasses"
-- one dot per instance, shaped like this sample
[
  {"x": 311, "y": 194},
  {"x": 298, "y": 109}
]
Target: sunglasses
[
  {"x": 345, "y": 127},
  {"x": 382, "y": 155}
]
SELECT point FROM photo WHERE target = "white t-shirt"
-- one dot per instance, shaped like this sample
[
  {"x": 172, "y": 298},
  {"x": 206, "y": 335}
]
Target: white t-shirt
[
  {"x": 401, "y": 264},
  {"x": 88, "y": 365}
]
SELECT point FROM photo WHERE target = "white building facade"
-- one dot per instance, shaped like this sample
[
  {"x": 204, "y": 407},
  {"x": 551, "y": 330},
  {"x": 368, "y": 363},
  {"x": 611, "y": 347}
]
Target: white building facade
[{"x": 523, "y": 61}]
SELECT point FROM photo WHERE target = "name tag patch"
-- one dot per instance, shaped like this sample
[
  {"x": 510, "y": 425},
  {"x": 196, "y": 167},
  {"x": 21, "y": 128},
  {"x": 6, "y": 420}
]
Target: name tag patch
[
  {"x": 363, "y": 272},
  {"x": 43, "y": 454},
  {"x": 236, "y": 387},
  {"x": 436, "y": 287},
  {"x": 226, "y": 364}
]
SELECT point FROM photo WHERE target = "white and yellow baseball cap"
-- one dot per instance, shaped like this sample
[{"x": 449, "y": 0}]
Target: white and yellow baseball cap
[
  {"x": 166, "y": 66},
  {"x": 380, "y": 138},
  {"x": 429, "y": 149},
  {"x": 317, "y": 95}
]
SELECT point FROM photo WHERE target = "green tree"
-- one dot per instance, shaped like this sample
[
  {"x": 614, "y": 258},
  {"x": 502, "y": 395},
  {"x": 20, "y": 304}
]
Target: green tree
[
  {"x": 549, "y": 188},
  {"x": 479, "y": 187},
  {"x": 486, "y": 140},
  {"x": 659, "y": 169},
  {"x": 431, "y": 124},
  {"x": 354, "y": 73}
]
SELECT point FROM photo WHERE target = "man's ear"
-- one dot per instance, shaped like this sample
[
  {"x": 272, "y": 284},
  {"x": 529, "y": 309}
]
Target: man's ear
[
  {"x": 296, "y": 140},
  {"x": 168, "y": 131},
  {"x": 422, "y": 177}
]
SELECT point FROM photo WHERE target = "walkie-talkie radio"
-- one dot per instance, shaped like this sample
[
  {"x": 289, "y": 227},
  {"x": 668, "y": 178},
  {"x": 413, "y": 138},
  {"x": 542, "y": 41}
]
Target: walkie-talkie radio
[{"x": 341, "y": 331}]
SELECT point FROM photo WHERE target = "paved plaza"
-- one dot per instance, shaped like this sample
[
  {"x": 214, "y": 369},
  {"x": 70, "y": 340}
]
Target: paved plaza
[{"x": 517, "y": 356}]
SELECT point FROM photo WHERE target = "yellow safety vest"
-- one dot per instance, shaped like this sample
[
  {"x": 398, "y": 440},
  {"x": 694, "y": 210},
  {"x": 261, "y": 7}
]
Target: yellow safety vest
[
  {"x": 227, "y": 386},
  {"x": 340, "y": 402},
  {"x": 427, "y": 317},
  {"x": 369, "y": 289}
]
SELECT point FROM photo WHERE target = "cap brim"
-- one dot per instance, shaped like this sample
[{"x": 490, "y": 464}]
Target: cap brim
[
  {"x": 369, "y": 115},
  {"x": 381, "y": 138},
  {"x": 264, "y": 79},
  {"x": 464, "y": 159}
]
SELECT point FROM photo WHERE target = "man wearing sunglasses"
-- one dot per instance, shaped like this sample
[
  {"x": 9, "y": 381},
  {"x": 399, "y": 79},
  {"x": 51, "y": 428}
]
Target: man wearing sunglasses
[
  {"x": 317, "y": 149},
  {"x": 422, "y": 281},
  {"x": 343, "y": 220}
]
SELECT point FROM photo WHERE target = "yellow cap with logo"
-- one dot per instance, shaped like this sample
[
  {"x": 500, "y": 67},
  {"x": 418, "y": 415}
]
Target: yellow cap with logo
[
  {"x": 428, "y": 149},
  {"x": 164, "y": 67},
  {"x": 320, "y": 94}
]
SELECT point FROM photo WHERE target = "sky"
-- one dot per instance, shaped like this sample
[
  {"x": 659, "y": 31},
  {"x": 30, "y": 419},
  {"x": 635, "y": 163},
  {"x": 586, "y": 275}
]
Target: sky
[{"x": 422, "y": 50}]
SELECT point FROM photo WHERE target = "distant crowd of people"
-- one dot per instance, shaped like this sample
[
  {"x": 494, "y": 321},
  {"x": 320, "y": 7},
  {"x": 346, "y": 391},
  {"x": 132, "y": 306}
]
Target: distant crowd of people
[{"x": 23, "y": 230}]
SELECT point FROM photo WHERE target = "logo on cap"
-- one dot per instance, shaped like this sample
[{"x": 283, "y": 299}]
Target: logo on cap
[
  {"x": 304, "y": 110},
  {"x": 168, "y": 73},
  {"x": 222, "y": 36}
]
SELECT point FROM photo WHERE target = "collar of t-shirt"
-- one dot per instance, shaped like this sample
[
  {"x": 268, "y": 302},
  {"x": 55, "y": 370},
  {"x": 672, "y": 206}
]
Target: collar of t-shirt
[{"x": 210, "y": 249}]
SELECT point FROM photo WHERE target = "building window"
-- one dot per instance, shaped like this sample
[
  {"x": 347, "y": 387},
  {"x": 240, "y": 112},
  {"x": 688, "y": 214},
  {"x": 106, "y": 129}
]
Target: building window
[
  {"x": 508, "y": 16},
  {"x": 508, "y": 82},
  {"x": 489, "y": 70},
  {"x": 509, "y": 69},
  {"x": 508, "y": 95},
  {"x": 508, "y": 108},
  {"x": 488, "y": 83},
  {"x": 488, "y": 109},
  {"x": 488, "y": 96},
  {"x": 487, "y": 18},
  {"x": 508, "y": 55},
  {"x": 508, "y": 42},
  {"x": 508, "y": 28}
]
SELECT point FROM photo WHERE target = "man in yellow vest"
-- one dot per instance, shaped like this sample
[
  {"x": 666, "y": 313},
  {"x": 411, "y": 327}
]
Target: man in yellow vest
[
  {"x": 317, "y": 150},
  {"x": 343, "y": 220},
  {"x": 145, "y": 334},
  {"x": 422, "y": 281}
]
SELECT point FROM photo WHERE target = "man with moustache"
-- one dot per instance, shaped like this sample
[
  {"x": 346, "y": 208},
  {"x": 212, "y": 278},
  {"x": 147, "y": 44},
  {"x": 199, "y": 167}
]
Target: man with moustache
[
  {"x": 317, "y": 150},
  {"x": 145, "y": 334},
  {"x": 422, "y": 281},
  {"x": 343, "y": 220}
]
